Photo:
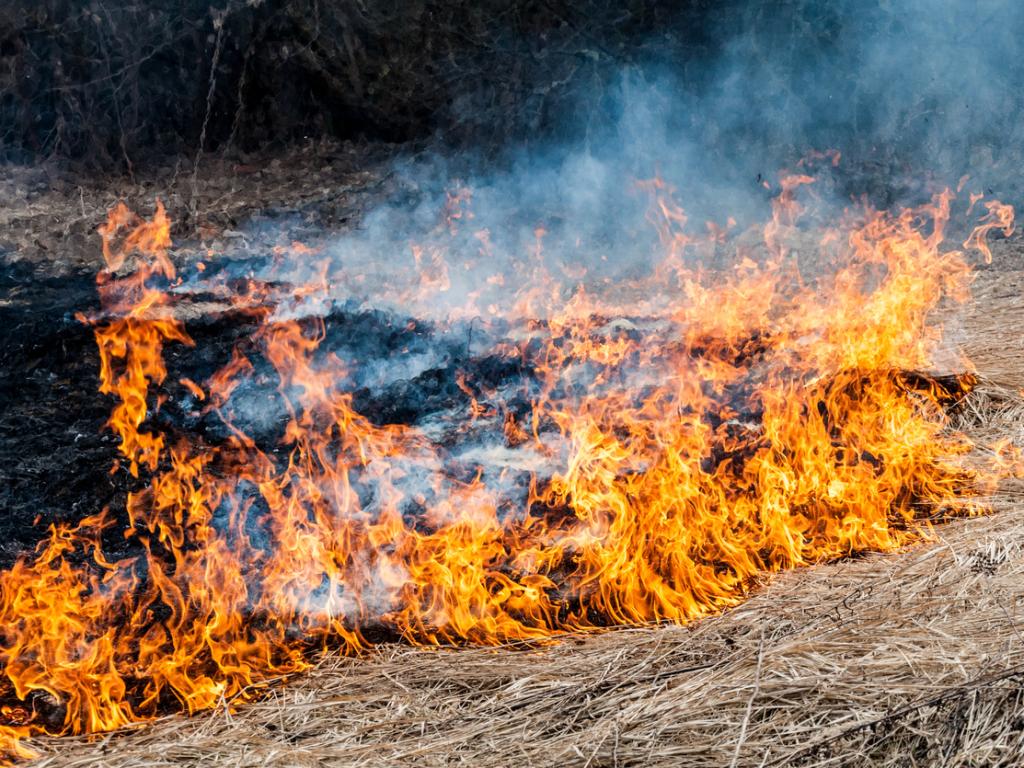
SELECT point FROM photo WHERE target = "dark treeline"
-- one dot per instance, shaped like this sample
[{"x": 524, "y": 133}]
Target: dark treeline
[
  {"x": 114, "y": 81},
  {"x": 114, "y": 84}
]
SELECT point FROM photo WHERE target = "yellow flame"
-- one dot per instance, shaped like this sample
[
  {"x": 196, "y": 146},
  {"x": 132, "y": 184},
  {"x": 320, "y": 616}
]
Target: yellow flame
[{"x": 763, "y": 422}]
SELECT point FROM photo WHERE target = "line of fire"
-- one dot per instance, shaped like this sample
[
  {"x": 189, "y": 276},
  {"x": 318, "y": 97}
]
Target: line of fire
[{"x": 333, "y": 395}]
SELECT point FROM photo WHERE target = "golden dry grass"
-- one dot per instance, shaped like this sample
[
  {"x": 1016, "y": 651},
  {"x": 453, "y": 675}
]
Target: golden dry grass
[{"x": 908, "y": 658}]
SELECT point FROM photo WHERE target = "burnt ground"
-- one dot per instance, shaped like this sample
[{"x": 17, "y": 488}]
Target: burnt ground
[
  {"x": 54, "y": 451},
  {"x": 51, "y": 443}
]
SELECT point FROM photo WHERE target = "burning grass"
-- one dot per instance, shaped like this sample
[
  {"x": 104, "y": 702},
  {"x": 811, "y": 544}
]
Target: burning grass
[
  {"x": 878, "y": 660},
  {"x": 726, "y": 425}
]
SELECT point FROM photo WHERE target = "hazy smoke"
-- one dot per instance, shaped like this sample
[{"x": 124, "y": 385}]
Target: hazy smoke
[
  {"x": 904, "y": 89},
  {"x": 912, "y": 94}
]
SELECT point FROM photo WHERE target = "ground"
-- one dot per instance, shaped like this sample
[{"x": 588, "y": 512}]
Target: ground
[{"x": 909, "y": 658}]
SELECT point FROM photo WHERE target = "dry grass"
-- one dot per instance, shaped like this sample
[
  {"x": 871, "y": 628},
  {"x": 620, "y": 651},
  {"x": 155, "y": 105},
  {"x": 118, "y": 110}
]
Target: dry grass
[
  {"x": 49, "y": 217},
  {"x": 911, "y": 658},
  {"x": 992, "y": 324}
]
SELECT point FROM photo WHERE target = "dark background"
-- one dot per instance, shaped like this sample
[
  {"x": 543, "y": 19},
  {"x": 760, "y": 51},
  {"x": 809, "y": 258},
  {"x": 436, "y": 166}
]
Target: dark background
[{"x": 114, "y": 85}]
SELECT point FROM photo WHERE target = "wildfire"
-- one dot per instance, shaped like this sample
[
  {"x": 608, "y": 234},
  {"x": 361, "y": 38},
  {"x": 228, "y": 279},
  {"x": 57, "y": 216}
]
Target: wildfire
[{"x": 697, "y": 429}]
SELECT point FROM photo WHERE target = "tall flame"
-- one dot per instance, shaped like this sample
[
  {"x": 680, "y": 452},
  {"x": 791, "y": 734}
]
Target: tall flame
[{"x": 758, "y": 421}]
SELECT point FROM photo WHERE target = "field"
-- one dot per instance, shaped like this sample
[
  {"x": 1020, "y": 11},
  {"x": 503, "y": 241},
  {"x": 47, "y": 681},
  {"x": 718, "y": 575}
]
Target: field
[{"x": 908, "y": 658}]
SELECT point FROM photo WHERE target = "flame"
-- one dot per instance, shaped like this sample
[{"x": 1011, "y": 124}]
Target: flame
[{"x": 704, "y": 427}]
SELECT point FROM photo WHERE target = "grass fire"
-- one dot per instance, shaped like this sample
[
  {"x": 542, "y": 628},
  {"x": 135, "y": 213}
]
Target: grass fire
[
  {"x": 511, "y": 383},
  {"x": 691, "y": 430}
]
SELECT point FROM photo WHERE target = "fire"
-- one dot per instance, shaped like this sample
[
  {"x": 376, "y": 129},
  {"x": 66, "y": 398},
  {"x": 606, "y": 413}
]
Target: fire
[{"x": 695, "y": 428}]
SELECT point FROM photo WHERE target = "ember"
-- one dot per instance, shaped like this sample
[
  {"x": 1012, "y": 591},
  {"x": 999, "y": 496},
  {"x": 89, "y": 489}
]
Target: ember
[{"x": 605, "y": 453}]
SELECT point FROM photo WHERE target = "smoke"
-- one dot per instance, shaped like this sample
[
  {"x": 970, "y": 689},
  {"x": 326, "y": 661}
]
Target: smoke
[
  {"x": 912, "y": 94},
  {"x": 905, "y": 97},
  {"x": 905, "y": 90}
]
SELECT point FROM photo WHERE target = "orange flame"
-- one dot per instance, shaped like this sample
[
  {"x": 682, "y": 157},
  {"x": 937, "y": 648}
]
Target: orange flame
[{"x": 759, "y": 421}]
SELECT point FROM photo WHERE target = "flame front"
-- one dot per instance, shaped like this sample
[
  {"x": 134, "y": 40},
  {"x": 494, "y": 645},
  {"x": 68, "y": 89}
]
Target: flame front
[{"x": 698, "y": 427}]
